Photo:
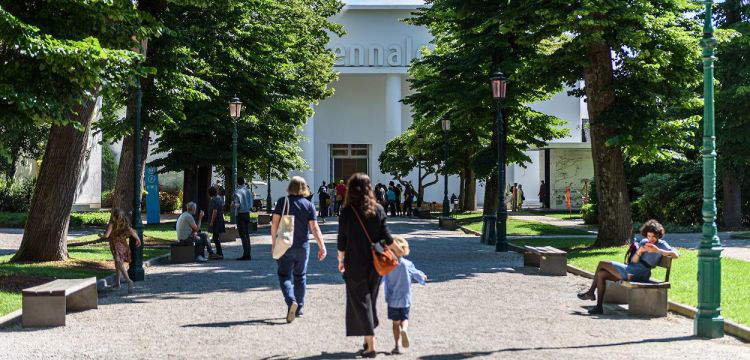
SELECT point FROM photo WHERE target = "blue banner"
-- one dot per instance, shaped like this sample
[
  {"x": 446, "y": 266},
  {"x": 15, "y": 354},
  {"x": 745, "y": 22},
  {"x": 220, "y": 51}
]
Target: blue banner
[{"x": 152, "y": 195}]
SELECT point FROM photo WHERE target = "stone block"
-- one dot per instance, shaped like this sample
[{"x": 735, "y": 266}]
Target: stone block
[
  {"x": 553, "y": 265},
  {"x": 615, "y": 293},
  {"x": 43, "y": 311},
  {"x": 230, "y": 235},
  {"x": 648, "y": 302},
  {"x": 84, "y": 299},
  {"x": 181, "y": 254}
]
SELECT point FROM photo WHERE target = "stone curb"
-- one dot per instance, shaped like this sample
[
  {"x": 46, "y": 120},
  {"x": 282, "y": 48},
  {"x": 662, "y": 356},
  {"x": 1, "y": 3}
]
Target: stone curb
[
  {"x": 737, "y": 330},
  {"x": 16, "y": 315}
]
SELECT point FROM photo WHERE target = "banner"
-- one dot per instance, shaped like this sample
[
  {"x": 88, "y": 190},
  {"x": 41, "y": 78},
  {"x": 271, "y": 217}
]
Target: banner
[{"x": 152, "y": 195}]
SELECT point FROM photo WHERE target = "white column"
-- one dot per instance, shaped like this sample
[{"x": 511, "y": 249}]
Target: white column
[
  {"x": 392, "y": 106},
  {"x": 308, "y": 151}
]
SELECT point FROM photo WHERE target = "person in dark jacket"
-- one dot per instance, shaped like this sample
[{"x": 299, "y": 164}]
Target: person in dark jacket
[
  {"x": 361, "y": 224},
  {"x": 216, "y": 224}
]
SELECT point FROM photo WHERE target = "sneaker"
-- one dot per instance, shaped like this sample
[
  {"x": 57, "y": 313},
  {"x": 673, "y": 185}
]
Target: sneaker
[
  {"x": 596, "y": 311},
  {"x": 396, "y": 351},
  {"x": 291, "y": 313},
  {"x": 587, "y": 296},
  {"x": 404, "y": 339},
  {"x": 200, "y": 259}
]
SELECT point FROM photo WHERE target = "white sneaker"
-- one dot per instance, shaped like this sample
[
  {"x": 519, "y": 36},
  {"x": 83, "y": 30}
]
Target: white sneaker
[{"x": 200, "y": 259}]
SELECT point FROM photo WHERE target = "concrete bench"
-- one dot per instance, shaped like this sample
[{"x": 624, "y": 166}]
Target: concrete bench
[
  {"x": 643, "y": 298},
  {"x": 46, "y": 305},
  {"x": 230, "y": 235},
  {"x": 181, "y": 254},
  {"x": 549, "y": 260}
]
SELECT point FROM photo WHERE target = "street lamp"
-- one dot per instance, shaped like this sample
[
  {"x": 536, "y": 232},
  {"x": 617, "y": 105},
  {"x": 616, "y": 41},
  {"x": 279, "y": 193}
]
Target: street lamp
[
  {"x": 235, "y": 110},
  {"x": 446, "y": 123},
  {"x": 420, "y": 137},
  {"x": 708, "y": 321},
  {"x": 494, "y": 230},
  {"x": 135, "y": 271}
]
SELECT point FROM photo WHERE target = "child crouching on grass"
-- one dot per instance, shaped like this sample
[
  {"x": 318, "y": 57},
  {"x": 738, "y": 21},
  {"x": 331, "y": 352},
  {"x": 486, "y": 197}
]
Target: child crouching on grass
[{"x": 398, "y": 293}]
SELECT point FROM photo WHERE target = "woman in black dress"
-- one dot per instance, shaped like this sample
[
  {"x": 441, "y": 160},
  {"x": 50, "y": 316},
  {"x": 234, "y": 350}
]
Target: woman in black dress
[{"x": 355, "y": 258}]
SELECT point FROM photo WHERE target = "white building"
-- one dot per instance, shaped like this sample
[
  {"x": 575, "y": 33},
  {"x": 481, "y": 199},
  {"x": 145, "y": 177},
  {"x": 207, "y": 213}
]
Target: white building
[{"x": 350, "y": 129}]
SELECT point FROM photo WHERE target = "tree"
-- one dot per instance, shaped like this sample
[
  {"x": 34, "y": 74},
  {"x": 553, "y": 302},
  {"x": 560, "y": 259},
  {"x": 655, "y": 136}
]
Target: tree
[
  {"x": 405, "y": 153},
  {"x": 258, "y": 51},
  {"x": 453, "y": 82},
  {"x": 733, "y": 106},
  {"x": 58, "y": 56},
  {"x": 18, "y": 140},
  {"x": 637, "y": 60}
]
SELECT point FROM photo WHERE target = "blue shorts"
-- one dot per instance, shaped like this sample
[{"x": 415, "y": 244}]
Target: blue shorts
[{"x": 398, "y": 314}]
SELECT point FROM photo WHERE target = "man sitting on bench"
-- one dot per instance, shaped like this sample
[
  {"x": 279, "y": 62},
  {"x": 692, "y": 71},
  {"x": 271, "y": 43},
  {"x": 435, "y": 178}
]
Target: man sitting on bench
[
  {"x": 640, "y": 259},
  {"x": 189, "y": 233}
]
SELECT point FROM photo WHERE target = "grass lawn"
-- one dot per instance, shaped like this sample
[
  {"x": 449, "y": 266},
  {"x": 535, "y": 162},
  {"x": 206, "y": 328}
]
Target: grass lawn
[
  {"x": 520, "y": 227},
  {"x": 735, "y": 288},
  {"x": 741, "y": 235},
  {"x": 156, "y": 235},
  {"x": 565, "y": 216},
  {"x": 85, "y": 261},
  {"x": 560, "y": 243}
]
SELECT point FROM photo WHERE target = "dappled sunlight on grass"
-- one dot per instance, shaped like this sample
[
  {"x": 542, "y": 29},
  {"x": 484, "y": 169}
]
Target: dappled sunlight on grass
[
  {"x": 521, "y": 227},
  {"x": 560, "y": 243}
]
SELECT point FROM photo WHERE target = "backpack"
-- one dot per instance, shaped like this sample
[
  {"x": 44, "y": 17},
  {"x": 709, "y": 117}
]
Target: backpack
[{"x": 634, "y": 244}]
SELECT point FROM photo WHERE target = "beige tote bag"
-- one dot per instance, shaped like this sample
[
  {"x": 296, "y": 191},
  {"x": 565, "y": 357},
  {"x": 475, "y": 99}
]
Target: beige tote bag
[{"x": 285, "y": 232}]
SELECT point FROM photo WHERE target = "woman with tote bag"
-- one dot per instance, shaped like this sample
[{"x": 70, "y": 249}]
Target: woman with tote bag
[
  {"x": 298, "y": 216},
  {"x": 362, "y": 225}
]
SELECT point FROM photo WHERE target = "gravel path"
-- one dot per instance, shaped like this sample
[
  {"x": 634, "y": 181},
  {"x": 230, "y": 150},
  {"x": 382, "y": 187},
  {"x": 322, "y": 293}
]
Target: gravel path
[
  {"x": 10, "y": 238},
  {"x": 478, "y": 304}
]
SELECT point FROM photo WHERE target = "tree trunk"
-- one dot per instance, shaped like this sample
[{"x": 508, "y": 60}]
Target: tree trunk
[
  {"x": 196, "y": 182},
  {"x": 461, "y": 191},
  {"x": 490, "y": 195},
  {"x": 229, "y": 188},
  {"x": 471, "y": 191},
  {"x": 122, "y": 197},
  {"x": 732, "y": 212},
  {"x": 615, "y": 224},
  {"x": 46, "y": 230},
  {"x": 188, "y": 186}
]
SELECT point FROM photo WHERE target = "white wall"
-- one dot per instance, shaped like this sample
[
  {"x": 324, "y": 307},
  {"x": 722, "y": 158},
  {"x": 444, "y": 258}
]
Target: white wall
[
  {"x": 569, "y": 166},
  {"x": 567, "y": 108}
]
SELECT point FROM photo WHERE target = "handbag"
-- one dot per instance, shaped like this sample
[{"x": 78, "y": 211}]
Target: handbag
[
  {"x": 384, "y": 261},
  {"x": 285, "y": 233}
]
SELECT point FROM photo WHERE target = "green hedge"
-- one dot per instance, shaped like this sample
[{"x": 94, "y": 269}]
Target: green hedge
[
  {"x": 589, "y": 214},
  {"x": 77, "y": 219}
]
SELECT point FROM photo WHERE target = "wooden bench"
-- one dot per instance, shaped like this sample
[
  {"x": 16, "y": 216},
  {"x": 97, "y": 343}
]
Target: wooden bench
[
  {"x": 46, "y": 305},
  {"x": 549, "y": 260},
  {"x": 181, "y": 254},
  {"x": 643, "y": 298}
]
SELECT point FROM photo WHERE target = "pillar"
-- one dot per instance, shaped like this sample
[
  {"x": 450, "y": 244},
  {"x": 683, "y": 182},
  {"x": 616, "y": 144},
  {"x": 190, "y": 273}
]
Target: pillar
[
  {"x": 308, "y": 152},
  {"x": 392, "y": 106}
]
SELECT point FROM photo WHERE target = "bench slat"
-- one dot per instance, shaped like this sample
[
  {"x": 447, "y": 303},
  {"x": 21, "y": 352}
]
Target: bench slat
[
  {"x": 546, "y": 250},
  {"x": 640, "y": 285},
  {"x": 60, "y": 287}
]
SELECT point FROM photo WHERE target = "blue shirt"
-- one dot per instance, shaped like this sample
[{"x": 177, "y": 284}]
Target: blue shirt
[
  {"x": 391, "y": 195},
  {"x": 303, "y": 211},
  {"x": 397, "y": 283},
  {"x": 648, "y": 260},
  {"x": 244, "y": 199}
]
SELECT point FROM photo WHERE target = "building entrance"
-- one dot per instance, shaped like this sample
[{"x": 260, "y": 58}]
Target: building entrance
[{"x": 347, "y": 159}]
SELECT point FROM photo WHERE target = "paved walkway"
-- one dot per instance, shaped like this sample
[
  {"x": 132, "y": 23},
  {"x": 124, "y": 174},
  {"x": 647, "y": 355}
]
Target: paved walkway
[
  {"x": 10, "y": 238},
  {"x": 478, "y": 304}
]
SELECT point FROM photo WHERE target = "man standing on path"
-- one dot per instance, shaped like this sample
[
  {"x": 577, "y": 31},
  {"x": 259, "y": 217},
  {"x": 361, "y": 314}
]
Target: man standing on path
[
  {"x": 243, "y": 200},
  {"x": 340, "y": 195},
  {"x": 543, "y": 195}
]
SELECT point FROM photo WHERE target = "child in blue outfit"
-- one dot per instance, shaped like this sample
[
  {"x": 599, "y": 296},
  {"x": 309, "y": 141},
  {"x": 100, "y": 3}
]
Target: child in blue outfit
[{"x": 397, "y": 286}]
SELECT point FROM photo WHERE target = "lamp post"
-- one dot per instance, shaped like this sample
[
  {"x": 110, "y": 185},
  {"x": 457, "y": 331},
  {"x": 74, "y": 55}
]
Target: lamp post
[
  {"x": 446, "y": 123},
  {"x": 494, "y": 225},
  {"x": 420, "y": 137},
  {"x": 268, "y": 185},
  {"x": 235, "y": 110},
  {"x": 135, "y": 271},
  {"x": 708, "y": 321}
]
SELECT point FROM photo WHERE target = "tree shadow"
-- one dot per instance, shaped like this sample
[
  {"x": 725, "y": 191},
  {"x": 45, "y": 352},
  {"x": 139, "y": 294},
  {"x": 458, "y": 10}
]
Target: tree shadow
[{"x": 227, "y": 324}]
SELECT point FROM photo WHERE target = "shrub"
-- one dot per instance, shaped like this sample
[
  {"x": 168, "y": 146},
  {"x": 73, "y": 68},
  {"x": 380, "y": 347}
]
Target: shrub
[
  {"x": 109, "y": 169},
  {"x": 170, "y": 201},
  {"x": 669, "y": 198},
  {"x": 12, "y": 219},
  {"x": 16, "y": 196},
  {"x": 589, "y": 214},
  {"x": 79, "y": 219},
  {"x": 107, "y": 198}
]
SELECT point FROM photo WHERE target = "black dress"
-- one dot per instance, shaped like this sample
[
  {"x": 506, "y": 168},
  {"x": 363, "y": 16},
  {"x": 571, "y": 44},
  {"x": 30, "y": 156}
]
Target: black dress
[{"x": 362, "y": 281}]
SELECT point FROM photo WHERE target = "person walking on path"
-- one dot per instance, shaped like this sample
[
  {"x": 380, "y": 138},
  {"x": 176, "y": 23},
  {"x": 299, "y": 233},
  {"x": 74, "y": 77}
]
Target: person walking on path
[
  {"x": 361, "y": 219},
  {"x": 399, "y": 210},
  {"x": 543, "y": 195},
  {"x": 293, "y": 264},
  {"x": 397, "y": 287},
  {"x": 323, "y": 200},
  {"x": 242, "y": 204},
  {"x": 340, "y": 196},
  {"x": 514, "y": 197},
  {"x": 520, "y": 198},
  {"x": 118, "y": 232},
  {"x": 408, "y": 200},
  {"x": 640, "y": 258},
  {"x": 216, "y": 225},
  {"x": 391, "y": 198}
]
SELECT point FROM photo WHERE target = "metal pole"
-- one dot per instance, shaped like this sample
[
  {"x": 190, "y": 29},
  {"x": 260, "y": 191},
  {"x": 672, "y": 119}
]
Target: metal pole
[
  {"x": 502, "y": 212},
  {"x": 268, "y": 188},
  {"x": 708, "y": 321},
  {"x": 135, "y": 271},
  {"x": 233, "y": 214},
  {"x": 446, "y": 202},
  {"x": 419, "y": 180}
]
